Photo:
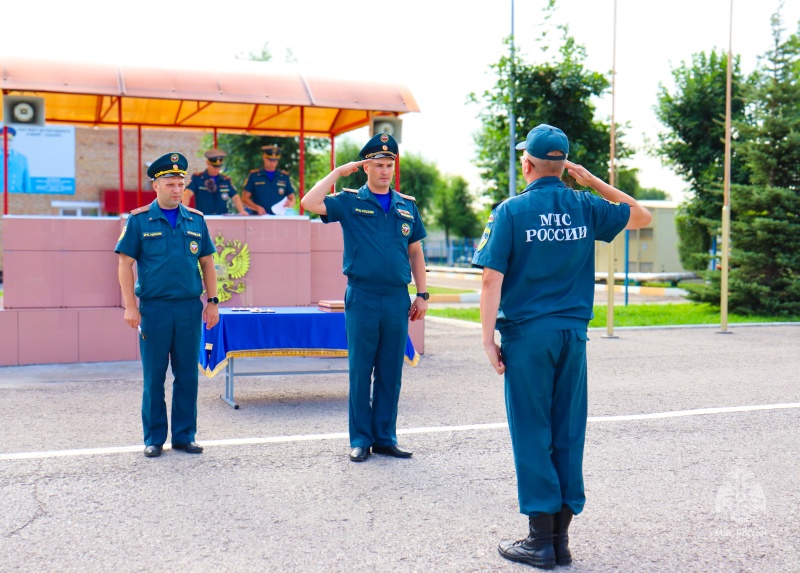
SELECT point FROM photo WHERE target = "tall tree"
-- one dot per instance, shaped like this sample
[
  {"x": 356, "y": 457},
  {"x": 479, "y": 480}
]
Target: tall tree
[
  {"x": 765, "y": 229},
  {"x": 560, "y": 93},
  {"x": 694, "y": 145},
  {"x": 453, "y": 211}
]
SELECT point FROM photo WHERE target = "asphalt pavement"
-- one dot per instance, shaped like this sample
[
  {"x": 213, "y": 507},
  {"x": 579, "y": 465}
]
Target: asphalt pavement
[{"x": 692, "y": 464}]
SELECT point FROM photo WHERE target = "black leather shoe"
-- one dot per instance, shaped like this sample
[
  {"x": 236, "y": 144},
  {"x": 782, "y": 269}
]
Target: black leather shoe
[
  {"x": 152, "y": 451},
  {"x": 393, "y": 451},
  {"x": 359, "y": 454},
  {"x": 189, "y": 447}
]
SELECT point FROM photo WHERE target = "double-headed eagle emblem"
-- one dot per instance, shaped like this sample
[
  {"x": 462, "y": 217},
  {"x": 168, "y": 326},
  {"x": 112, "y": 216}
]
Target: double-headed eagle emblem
[{"x": 232, "y": 261}]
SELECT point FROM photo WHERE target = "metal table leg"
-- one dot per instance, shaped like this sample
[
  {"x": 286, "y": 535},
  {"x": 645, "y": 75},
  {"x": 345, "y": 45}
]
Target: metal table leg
[{"x": 229, "y": 374}]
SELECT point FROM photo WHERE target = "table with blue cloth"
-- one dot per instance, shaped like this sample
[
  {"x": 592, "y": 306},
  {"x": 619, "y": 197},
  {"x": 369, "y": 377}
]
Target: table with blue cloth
[{"x": 278, "y": 331}]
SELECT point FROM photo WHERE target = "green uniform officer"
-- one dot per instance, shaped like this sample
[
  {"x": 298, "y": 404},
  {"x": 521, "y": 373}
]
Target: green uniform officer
[
  {"x": 537, "y": 254},
  {"x": 382, "y": 232},
  {"x": 211, "y": 189},
  {"x": 167, "y": 240},
  {"x": 267, "y": 188}
]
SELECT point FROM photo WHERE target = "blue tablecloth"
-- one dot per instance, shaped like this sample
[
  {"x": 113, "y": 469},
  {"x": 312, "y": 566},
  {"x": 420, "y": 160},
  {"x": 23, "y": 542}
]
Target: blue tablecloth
[{"x": 289, "y": 331}]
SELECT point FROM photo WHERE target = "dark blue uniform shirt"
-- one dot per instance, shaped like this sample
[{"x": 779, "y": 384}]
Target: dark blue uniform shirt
[
  {"x": 375, "y": 242},
  {"x": 266, "y": 190},
  {"x": 166, "y": 258},
  {"x": 543, "y": 242},
  {"x": 211, "y": 202}
]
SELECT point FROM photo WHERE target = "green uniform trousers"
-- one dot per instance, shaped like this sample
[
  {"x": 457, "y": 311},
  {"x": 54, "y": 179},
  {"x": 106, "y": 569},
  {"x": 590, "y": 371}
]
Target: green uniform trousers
[
  {"x": 546, "y": 404},
  {"x": 376, "y": 322},
  {"x": 172, "y": 331}
]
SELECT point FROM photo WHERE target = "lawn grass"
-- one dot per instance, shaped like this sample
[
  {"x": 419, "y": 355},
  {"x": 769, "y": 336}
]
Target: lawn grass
[{"x": 638, "y": 315}]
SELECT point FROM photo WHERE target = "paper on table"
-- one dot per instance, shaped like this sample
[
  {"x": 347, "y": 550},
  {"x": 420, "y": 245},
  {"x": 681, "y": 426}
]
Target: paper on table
[{"x": 279, "y": 208}]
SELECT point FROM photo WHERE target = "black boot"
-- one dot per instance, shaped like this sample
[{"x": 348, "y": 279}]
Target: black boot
[
  {"x": 561, "y": 521},
  {"x": 537, "y": 548}
]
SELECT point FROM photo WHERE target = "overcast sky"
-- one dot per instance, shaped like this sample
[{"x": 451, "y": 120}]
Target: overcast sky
[{"x": 440, "y": 49}]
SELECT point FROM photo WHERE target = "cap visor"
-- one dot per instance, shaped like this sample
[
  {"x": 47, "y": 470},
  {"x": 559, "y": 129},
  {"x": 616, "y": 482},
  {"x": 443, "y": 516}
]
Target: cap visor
[{"x": 521, "y": 146}]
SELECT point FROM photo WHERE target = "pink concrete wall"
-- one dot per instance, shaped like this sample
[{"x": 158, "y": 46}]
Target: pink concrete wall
[{"x": 62, "y": 301}]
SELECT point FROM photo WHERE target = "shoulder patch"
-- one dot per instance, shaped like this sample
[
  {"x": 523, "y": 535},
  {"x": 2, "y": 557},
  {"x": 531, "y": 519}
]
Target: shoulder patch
[
  {"x": 349, "y": 190},
  {"x": 409, "y": 197},
  {"x": 194, "y": 211},
  {"x": 255, "y": 170},
  {"x": 227, "y": 177},
  {"x": 284, "y": 172},
  {"x": 198, "y": 174},
  {"x": 140, "y": 210}
]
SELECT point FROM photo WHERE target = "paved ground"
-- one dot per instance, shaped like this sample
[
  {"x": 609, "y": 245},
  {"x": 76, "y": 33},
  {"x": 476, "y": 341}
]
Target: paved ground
[{"x": 710, "y": 485}]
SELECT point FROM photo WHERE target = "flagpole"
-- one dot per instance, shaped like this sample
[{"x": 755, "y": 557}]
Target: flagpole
[{"x": 726, "y": 196}]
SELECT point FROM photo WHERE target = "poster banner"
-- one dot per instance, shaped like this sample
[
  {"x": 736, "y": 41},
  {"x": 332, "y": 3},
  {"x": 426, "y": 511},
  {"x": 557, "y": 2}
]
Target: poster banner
[{"x": 41, "y": 159}]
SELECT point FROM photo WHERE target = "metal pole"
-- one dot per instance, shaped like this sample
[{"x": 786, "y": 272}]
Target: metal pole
[
  {"x": 5, "y": 170},
  {"x": 512, "y": 121},
  {"x": 627, "y": 262},
  {"x": 333, "y": 159},
  {"x": 302, "y": 175},
  {"x": 612, "y": 181},
  {"x": 121, "y": 164},
  {"x": 139, "y": 164},
  {"x": 726, "y": 204}
]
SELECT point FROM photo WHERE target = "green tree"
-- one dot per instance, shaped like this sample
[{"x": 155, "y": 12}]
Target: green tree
[
  {"x": 694, "y": 145},
  {"x": 453, "y": 211},
  {"x": 560, "y": 93},
  {"x": 765, "y": 230}
]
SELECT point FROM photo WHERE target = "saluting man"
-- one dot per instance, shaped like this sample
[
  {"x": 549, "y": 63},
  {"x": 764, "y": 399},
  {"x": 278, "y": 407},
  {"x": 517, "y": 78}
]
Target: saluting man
[
  {"x": 265, "y": 187},
  {"x": 537, "y": 254},
  {"x": 212, "y": 189},
  {"x": 166, "y": 240},
  {"x": 382, "y": 232}
]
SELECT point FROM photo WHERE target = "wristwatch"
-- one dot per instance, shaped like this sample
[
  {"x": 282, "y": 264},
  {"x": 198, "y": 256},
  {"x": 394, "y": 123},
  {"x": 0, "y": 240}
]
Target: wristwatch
[
  {"x": 213, "y": 299},
  {"x": 424, "y": 295}
]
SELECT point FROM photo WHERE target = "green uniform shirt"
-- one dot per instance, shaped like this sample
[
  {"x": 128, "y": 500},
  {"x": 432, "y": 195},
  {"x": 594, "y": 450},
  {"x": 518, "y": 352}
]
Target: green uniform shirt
[
  {"x": 375, "y": 242},
  {"x": 543, "y": 242},
  {"x": 166, "y": 258}
]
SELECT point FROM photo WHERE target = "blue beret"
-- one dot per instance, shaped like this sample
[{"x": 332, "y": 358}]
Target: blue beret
[
  {"x": 382, "y": 145},
  {"x": 169, "y": 165},
  {"x": 544, "y": 139}
]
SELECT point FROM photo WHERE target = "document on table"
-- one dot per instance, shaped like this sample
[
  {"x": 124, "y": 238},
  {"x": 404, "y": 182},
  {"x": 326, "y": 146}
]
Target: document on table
[{"x": 279, "y": 208}]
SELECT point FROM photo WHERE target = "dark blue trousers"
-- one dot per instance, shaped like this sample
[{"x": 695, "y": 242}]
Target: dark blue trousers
[
  {"x": 546, "y": 404},
  {"x": 172, "y": 328},
  {"x": 377, "y": 330}
]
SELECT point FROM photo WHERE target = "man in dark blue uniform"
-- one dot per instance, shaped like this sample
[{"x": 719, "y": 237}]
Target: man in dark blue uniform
[
  {"x": 19, "y": 177},
  {"x": 537, "y": 254},
  {"x": 166, "y": 240},
  {"x": 267, "y": 188},
  {"x": 382, "y": 232},
  {"x": 211, "y": 189}
]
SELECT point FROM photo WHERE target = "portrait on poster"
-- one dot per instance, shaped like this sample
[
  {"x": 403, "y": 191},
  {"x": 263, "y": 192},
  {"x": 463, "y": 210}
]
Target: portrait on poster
[{"x": 40, "y": 159}]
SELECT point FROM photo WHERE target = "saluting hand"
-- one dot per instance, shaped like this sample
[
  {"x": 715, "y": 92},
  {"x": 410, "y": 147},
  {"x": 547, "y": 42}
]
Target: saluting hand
[
  {"x": 579, "y": 173},
  {"x": 352, "y": 167}
]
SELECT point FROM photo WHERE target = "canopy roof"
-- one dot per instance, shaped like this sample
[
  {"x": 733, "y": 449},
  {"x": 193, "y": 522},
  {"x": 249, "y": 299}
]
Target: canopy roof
[{"x": 251, "y": 97}]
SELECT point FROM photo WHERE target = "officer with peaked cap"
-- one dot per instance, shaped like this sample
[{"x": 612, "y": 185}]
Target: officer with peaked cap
[
  {"x": 167, "y": 240},
  {"x": 537, "y": 255},
  {"x": 19, "y": 178},
  {"x": 265, "y": 187},
  {"x": 211, "y": 189},
  {"x": 382, "y": 231}
]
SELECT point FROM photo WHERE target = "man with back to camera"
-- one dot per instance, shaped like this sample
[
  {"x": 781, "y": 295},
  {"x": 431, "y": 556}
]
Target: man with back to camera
[
  {"x": 167, "y": 240},
  {"x": 265, "y": 187},
  {"x": 382, "y": 231},
  {"x": 537, "y": 255},
  {"x": 212, "y": 189}
]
